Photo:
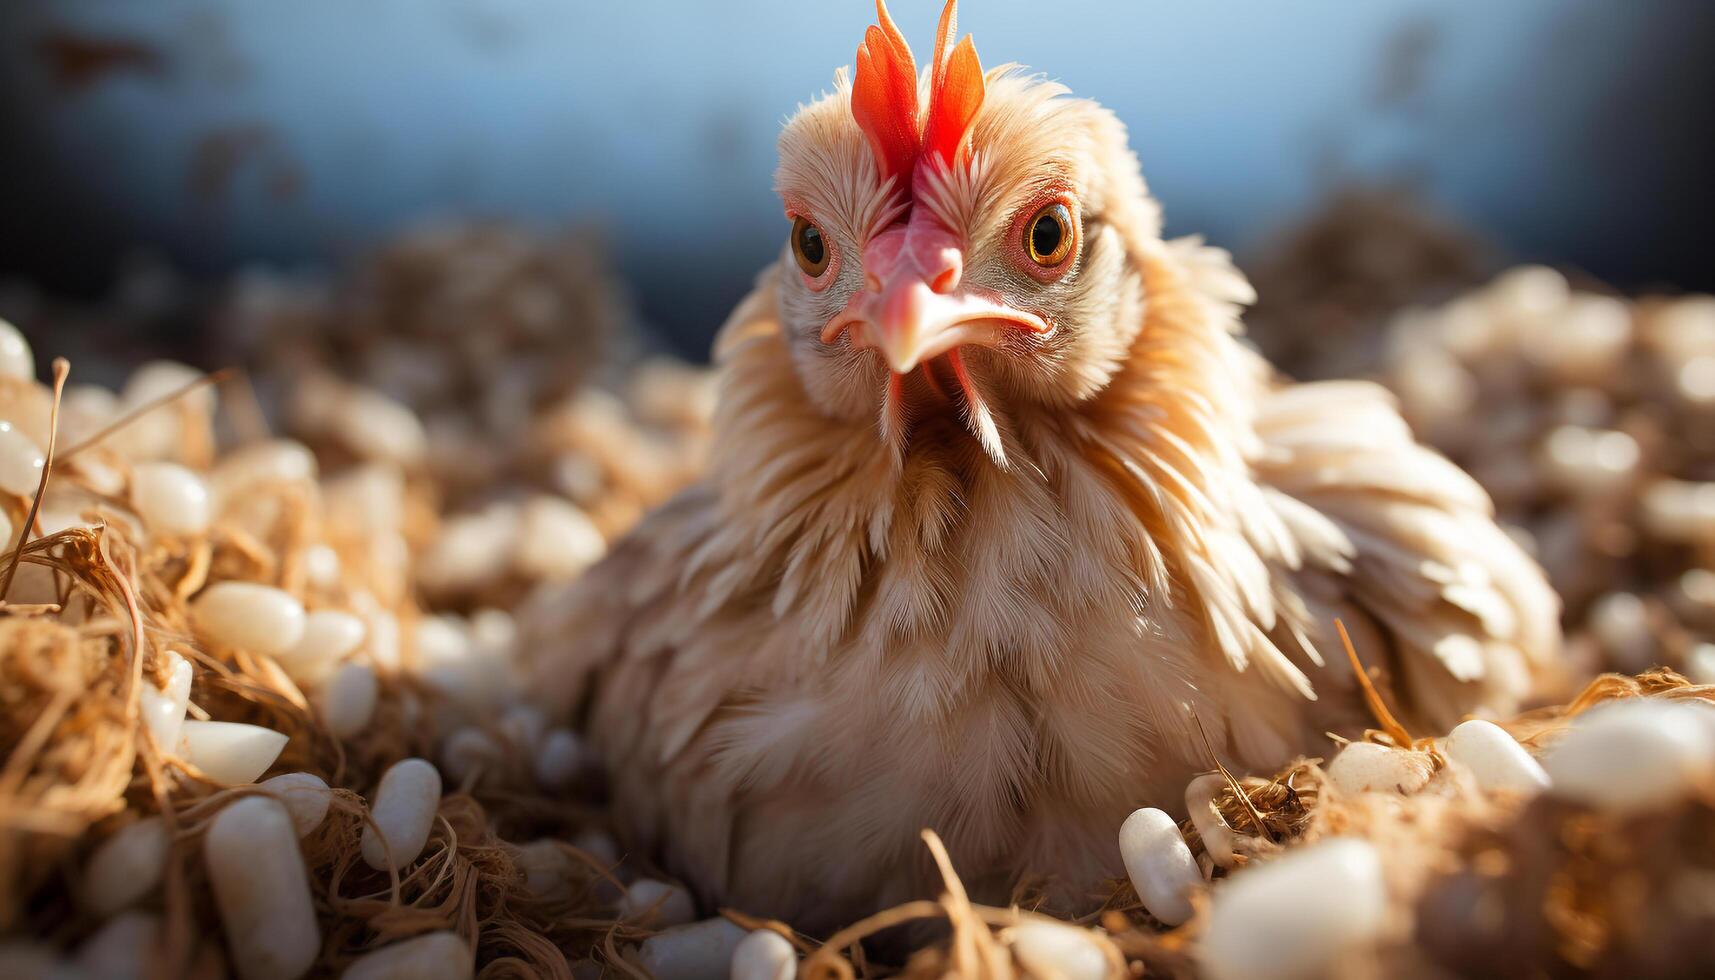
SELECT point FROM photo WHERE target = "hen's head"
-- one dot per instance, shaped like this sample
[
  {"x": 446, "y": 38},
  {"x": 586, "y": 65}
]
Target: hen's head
[{"x": 966, "y": 243}]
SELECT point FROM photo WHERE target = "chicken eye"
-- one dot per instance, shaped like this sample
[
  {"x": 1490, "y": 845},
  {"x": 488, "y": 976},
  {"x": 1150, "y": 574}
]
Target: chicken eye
[
  {"x": 809, "y": 247},
  {"x": 1048, "y": 236}
]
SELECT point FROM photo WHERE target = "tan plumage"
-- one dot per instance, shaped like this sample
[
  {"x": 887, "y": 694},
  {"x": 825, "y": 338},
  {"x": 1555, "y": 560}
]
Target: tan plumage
[{"x": 1003, "y": 628}]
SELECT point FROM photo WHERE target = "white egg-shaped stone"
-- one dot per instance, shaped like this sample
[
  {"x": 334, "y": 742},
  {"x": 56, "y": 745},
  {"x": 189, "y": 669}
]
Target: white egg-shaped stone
[
  {"x": 164, "y": 707},
  {"x": 1620, "y": 621},
  {"x": 258, "y": 618},
  {"x": 16, "y": 358},
  {"x": 557, "y": 540},
  {"x": 270, "y": 463},
  {"x": 471, "y": 550},
  {"x": 330, "y": 636},
  {"x": 230, "y": 752},
  {"x": 305, "y": 796},
  {"x": 468, "y": 753},
  {"x": 1293, "y": 917},
  {"x": 1700, "y": 663},
  {"x": 348, "y": 699},
  {"x": 321, "y": 566},
  {"x": 377, "y": 427},
  {"x": 1630, "y": 755},
  {"x": 1494, "y": 758},
  {"x": 170, "y": 498},
  {"x": 561, "y": 758},
  {"x": 764, "y": 955},
  {"x": 122, "y": 949},
  {"x": 261, "y": 890},
  {"x": 524, "y": 725},
  {"x": 402, "y": 815},
  {"x": 432, "y": 956},
  {"x": 1049, "y": 949},
  {"x": 1365, "y": 767},
  {"x": 546, "y": 866},
  {"x": 657, "y": 904},
  {"x": 1160, "y": 864},
  {"x": 21, "y": 462},
  {"x": 700, "y": 951},
  {"x": 126, "y": 866}
]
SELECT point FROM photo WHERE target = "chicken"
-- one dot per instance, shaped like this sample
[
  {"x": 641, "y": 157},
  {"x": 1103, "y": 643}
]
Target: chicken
[{"x": 1002, "y": 518}]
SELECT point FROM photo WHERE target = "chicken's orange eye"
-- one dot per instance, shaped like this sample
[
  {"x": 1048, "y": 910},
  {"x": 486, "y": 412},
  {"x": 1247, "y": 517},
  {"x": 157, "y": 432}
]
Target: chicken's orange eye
[
  {"x": 809, "y": 247},
  {"x": 1048, "y": 236}
]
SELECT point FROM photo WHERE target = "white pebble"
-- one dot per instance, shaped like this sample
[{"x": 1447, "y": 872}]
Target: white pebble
[
  {"x": 1630, "y": 755},
  {"x": 561, "y": 758},
  {"x": 432, "y": 956},
  {"x": 1293, "y": 917},
  {"x": 1679, "y": 511},
  {"x": 122, "y": 949},
  {"x": 1700, "y": 664},
  {"x": 1620, "y": 622},
  {"x": 377, "y": 427},
  {"x": 230, "y": 752},
  {"x": 556, "y": 540},
  {"x": 305, "y": 796},
  {"x": 164, "y": 707},
  {"x": 523, "y": 726},
  {"x": 127, "y": 866},
  {"x": 402, "y": 815},
  {"x": 1495, "y": 758},
  {"x": 469, "y": 752},
  {"x": 321, "y": 566},
  {"x": 270, "y": 463},
  {"x": 471, "y": 550},
  {"x": 348, "y": 700},
  {"x": 16, "y": 360},
  {"x": 702, "y": 951},
  {"x": 1365, "y": 767},
  {"x": 599, "y": 846},
  {"x": 170, "y": 498},
  {"x": 546, "y": 866},
  {"x": 261, "y": 890},
  {"x": 1581, "y": 460},
  {"x": 1160, "y": 865},
  {"x": 764, "y": 955},
  {"x": 657, "y": 904},
  {"x": 1049, "y": 949},
  {"x": 259, "y": 618},
  {"x": 329, "y": 636},
  {"x": 21, "y": 462}
]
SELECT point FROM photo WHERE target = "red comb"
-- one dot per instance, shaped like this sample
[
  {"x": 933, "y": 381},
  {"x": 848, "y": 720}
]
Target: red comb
[
  {"x": 884, "y": 94},
  {"x": 955, "y": 90}
]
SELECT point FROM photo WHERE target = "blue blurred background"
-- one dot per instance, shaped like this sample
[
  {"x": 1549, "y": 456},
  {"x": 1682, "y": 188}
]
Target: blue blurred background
[{"x": 224, "y": 133}]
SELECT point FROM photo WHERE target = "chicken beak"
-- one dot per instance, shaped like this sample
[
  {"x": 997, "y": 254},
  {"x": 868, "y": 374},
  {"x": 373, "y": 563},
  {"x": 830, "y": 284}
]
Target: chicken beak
[{"x": 914, "y": 309}]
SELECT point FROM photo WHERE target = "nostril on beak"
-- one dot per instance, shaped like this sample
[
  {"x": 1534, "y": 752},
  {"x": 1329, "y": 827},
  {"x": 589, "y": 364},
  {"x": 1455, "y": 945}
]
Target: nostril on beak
[{"x": 952, "y": 264}]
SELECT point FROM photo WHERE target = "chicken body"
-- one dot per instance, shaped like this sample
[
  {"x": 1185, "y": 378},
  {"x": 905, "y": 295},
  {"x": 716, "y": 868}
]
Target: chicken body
[{"x": 1004, "y": 611}]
